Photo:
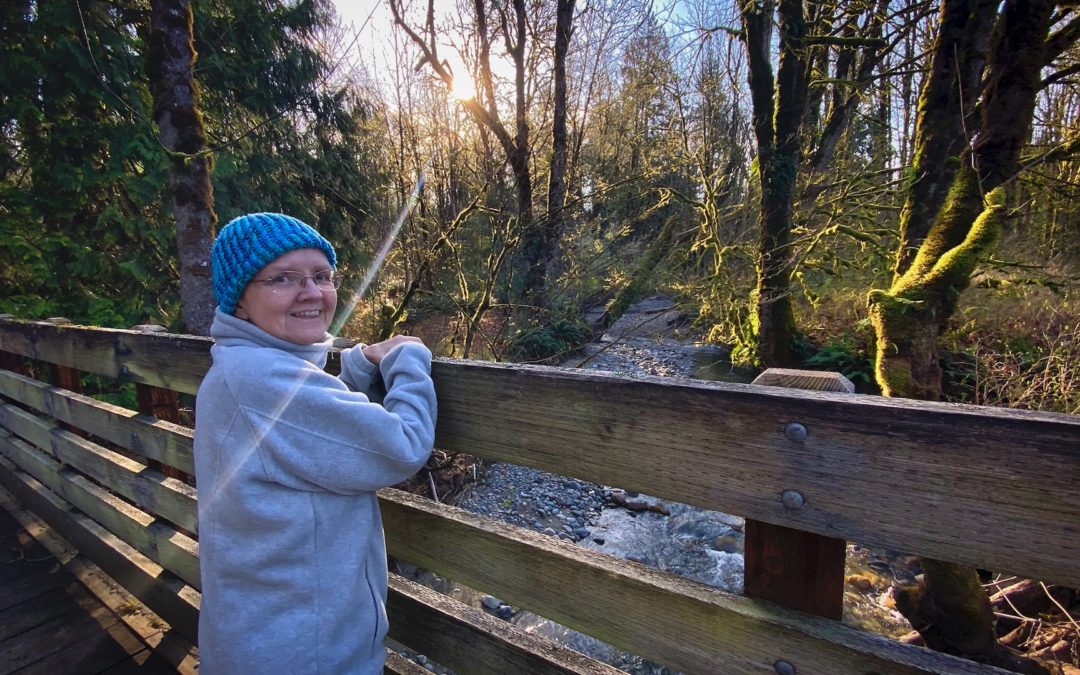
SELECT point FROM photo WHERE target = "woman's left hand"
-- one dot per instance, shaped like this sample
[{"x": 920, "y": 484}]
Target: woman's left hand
[{"x": 377, "y": 351}]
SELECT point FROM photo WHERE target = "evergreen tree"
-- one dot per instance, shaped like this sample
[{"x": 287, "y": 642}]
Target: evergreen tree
[
  {"x": 83, "y": 209},
  {"x": 80, "y": 209}
]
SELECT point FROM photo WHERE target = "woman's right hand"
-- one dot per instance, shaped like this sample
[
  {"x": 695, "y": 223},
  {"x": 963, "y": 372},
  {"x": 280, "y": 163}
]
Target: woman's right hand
[{"x": 377, "y": 351}]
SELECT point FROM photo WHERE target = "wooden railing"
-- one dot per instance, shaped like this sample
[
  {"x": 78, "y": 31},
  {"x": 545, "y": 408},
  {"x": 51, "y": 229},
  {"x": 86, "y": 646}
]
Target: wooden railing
[{"x": 994, "y": 488}]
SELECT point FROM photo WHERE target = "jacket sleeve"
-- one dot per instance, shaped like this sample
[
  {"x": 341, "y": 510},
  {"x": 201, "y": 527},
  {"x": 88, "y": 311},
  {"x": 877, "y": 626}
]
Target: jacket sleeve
[
  {"x": 359, "y": 374},
  {"x": 313, "y": 433}
]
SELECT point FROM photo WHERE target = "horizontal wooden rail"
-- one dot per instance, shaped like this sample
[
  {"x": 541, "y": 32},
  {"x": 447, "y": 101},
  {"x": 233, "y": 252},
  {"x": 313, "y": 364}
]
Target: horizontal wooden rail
[
  {"x": 988, "y": 487},
  {"x": 170, "y": 498},
  {"x": 983, "y": 486},
  {"x": 154, "y": 538},
  {"x": 469, "y": 641},
  {"x": 446, "y": 630},
  {"x": 165, "y": 442},
  {"x": 680, "y": 623},
  {"x": 670, "y": 620},
  {"x": 165, "y": 360},
  {"x": 396, "y": 664}
]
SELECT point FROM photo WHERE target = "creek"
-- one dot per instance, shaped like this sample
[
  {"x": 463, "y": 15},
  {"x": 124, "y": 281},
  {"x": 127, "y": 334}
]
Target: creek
[{"x": 703, "y": 545}]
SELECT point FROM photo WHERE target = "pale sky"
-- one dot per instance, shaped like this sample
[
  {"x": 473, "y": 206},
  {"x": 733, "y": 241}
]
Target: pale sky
[
  {"x": 376, "y": 25},
  {"x": 358, "y": 11}
]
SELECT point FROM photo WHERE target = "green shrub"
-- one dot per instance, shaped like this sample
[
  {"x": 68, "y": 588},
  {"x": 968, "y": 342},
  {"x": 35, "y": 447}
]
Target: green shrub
[
  {"x": 845, "y": 356},
  {"x": 541, "y": 343}
]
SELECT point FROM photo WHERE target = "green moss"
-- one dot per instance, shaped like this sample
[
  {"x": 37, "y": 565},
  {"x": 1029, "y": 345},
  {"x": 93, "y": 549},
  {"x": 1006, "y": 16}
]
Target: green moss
[
  {"x": 926, "y": 295},
  {"x": 954, "y": 218},
  {"x": 957, "y": 264}
]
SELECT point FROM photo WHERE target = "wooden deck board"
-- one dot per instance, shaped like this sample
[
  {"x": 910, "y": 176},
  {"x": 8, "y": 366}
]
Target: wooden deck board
[
  {"x": 50, "y": 623},
  {"x": 20, "y": 618}
]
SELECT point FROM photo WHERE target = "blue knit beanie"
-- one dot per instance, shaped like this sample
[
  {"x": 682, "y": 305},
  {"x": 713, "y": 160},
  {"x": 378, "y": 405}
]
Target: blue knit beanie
[{"x": 248, "y": 243}]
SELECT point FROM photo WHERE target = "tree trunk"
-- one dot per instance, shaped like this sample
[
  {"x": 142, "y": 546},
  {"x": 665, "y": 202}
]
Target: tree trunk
[
  {"x": 950, "y": 608},
  {"x": 779, "y": 147},
  {"x": 176, "y": 112},
  {"x": 845, "y": 100},
  {"x": 945, "y": 117},
  {"x": 635, "y": 289},
  {"x": 548, "y": 238},
  {"x": 516, "y": 148}
]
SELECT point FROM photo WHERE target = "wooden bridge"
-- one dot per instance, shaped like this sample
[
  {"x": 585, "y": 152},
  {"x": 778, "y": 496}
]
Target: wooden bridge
[{"x": 992, "y": 488}]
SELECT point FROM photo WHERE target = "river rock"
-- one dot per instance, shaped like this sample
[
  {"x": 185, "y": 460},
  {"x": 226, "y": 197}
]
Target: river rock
[{"x": 728, "y": 543}]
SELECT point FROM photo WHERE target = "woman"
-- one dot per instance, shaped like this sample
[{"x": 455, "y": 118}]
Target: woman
[{"x": 288, "y": 459}]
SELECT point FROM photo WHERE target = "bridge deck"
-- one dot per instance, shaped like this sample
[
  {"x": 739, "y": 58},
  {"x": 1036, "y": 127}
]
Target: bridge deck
[{"x": 51, "y": 623}]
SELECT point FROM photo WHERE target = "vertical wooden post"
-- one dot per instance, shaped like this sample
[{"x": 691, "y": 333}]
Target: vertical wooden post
[
  {"x": 66, "y": 377},
  {"x": 13, "y": 362},
  {"x": 796, "y": 569},
  {"x": 163, "y": 404}
]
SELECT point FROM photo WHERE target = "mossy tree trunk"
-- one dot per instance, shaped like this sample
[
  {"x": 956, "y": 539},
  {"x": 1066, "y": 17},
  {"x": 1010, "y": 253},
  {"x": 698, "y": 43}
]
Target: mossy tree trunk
[
  {"x": 945, "y": 117},
  {"x": 640, "y": 277},
  {"x": 779, "y": 105},
  {"x": 950, "y": 608},
  {"x": 180, "y": 125}
]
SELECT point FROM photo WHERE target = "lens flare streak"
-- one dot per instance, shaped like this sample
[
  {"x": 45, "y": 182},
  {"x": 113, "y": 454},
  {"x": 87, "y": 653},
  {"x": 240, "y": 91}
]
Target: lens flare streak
[{"x": 373, "y": 269}]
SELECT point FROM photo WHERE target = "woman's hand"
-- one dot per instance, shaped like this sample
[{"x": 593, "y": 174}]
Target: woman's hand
[{"x": 377, "y": 351}]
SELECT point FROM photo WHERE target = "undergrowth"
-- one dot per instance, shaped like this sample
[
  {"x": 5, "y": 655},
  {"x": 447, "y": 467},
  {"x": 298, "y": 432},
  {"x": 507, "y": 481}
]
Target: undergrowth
[{"x": 1016, "y": 349}]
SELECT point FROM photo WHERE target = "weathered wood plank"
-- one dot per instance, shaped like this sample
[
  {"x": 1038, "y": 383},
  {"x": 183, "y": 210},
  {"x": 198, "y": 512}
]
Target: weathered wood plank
[
  {"x": 796, "y": 569},
  {"x": 71, "y": 380},
  {"x": 155, "y": 539},
  {"x": 981, "y": 486},
  {"x": 26, "y": 589},
  {"x": 680, "y": 623},
  {"x": 14, "y": 362},
  {"x": 168, "y": 596},
  {"x": 178, "y": 654},
  {"x": 168, "y": 443},
  {"x": 468, "y": 640},
  {"x": 151, "y": 491},
  {"x": 103, "y": 652},
  {"x": 52, "y": 603},
  {"x": 163, "y": 404},
  {"x": 396, "y": 664},
  {"x": 64, "y": 630},
  {"x": 816, "y": 380},
  {"x": 60, "y": 634},
  {"x": 176, "y": 362}
]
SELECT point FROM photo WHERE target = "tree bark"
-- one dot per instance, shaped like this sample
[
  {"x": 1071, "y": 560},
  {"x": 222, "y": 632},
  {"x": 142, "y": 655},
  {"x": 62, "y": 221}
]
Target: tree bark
[
  {"x": 176, "y": 112},
  {"x": 547, "y": 237},
  {"x": 945, "y": 117},
  {"x": 950, "y": 608},
  {"x": 777, "y": 128}
]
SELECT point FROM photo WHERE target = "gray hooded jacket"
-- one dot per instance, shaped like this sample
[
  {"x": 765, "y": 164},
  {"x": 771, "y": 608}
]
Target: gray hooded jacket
[{"x": 287, "y": 459}]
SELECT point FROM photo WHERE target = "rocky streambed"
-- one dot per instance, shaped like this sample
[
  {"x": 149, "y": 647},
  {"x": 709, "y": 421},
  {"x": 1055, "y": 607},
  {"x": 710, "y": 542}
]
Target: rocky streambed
[{"x": 703, "y": 545}]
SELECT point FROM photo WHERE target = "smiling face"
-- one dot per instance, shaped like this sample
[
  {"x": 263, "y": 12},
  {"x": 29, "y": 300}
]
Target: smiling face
[{"x": 299, "y": 315}]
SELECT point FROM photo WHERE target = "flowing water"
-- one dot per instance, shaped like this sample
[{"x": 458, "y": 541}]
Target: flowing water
[{"x": 695, "y": 543}]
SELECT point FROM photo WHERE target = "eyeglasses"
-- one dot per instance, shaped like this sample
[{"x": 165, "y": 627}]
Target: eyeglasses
[{"x": 325, "y": 281}]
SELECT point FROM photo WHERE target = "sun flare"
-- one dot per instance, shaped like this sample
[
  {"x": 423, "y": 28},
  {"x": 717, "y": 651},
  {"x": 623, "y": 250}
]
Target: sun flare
[{"x": 463, "y": 88}]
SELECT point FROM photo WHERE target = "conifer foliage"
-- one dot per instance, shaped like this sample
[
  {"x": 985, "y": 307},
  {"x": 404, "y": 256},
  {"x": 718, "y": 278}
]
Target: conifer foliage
[{"x": 85, "y": 213}]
